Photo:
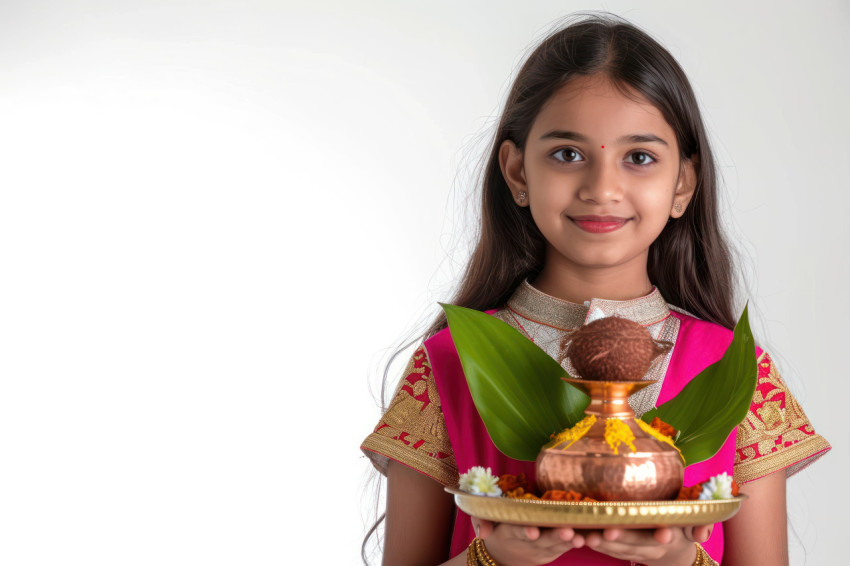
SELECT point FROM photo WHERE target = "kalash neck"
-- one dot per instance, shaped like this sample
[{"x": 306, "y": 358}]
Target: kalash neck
[{"x": 609, "y": 398}]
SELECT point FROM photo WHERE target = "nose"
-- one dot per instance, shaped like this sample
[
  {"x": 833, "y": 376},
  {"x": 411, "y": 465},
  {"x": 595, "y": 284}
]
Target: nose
[{"x": 602, "y": 184}]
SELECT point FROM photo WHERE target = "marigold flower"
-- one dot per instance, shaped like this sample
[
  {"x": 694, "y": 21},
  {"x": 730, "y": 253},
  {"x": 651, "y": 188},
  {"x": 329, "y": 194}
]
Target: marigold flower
[
  {"x": 561, "y": 495},
  {"x": 510, "y": 482},
  {"x": 520, "y": 493},
  {"x": 689, "y": 493},
  {"x": 663, "y": 427}
]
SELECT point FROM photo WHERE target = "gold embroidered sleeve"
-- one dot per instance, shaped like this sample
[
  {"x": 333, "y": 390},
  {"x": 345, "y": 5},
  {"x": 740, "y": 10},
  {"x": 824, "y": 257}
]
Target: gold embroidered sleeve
[
  {"x": 776, "y": 433},
  {"x": 413, "y": 431}
]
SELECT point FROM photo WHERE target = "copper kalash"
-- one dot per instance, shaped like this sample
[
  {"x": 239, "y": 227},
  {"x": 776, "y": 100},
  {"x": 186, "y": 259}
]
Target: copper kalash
[{"x": 621, "y": 351}]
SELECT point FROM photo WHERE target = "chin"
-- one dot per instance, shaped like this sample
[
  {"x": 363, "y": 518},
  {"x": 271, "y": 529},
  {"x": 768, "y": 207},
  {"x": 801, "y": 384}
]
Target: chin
[{"x": 601, "y": 260}]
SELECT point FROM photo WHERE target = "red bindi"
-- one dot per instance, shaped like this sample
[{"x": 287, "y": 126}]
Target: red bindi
[{"x": 603, "y": 147}]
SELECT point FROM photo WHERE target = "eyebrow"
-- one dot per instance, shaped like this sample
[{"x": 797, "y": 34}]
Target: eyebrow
[{"x": 575, "y": 136}]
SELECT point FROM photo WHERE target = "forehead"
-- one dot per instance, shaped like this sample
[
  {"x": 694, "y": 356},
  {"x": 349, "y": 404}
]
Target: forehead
[{"x": 595, "y": 107}]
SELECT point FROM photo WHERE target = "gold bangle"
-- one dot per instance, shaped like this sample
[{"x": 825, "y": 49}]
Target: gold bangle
[
  {"x": 483, "y": 556},
  {"x": 703, "y": 558},
  {"x": 471, "y": 560},
  {"x": 477, "y": 555}
]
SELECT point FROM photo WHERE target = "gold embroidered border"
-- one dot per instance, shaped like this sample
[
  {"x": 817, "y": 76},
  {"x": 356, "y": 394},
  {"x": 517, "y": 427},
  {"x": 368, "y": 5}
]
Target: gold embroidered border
[
  {"x": 776, "y": 434},
  {"x": 380, "y": 450},
  {"x": 791, "y": 458},
  {"x": 535, "y": 305},
  {"x": 412, "y": 430}
]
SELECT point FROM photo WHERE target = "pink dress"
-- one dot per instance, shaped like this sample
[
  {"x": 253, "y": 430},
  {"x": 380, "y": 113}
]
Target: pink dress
[{"x": 433, "y": 425}]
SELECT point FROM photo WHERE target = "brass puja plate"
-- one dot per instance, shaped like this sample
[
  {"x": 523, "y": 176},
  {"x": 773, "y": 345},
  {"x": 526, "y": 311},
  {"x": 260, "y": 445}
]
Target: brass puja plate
[{"x": 598, "y": 515}]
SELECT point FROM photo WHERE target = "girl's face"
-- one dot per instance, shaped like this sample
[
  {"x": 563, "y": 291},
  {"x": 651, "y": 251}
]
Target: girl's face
[{"x": 602, "y": 175}]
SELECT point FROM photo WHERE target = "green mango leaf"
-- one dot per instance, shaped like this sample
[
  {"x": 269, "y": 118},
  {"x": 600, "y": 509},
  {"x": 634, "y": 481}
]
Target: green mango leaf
[
  {"x": 516, "y": 386},
  {"x": 715, "y": 401}
]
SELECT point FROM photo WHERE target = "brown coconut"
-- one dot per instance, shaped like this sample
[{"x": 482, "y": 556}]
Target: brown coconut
[{"x": 612, "y": 349}]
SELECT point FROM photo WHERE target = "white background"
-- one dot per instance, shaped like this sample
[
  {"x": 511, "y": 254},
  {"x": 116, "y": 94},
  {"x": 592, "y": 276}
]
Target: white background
[{"x": 217, "y": 218}]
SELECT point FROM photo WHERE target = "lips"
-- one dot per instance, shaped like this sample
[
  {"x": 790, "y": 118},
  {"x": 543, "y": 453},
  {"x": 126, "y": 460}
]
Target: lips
[{"x": 599, "y": 224}]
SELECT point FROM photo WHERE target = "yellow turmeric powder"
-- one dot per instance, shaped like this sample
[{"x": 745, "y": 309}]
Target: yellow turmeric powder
[
  {"x": 571, "y": 435},
  {"x": 617, "y": 432}
]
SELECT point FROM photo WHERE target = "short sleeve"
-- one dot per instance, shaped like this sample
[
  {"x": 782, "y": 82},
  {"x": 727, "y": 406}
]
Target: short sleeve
[
  {"x": 413, "y": 431},
  {"x": 776, "y": 433}
]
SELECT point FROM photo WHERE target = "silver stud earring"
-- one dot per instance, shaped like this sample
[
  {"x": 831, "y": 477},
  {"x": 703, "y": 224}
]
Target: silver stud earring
[
  {"x": 521, "y": 196},
  {"x": 678, "y": 207}
]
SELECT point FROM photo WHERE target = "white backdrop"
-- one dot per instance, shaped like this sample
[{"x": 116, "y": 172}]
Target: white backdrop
[{"x": 217, "y": 217}]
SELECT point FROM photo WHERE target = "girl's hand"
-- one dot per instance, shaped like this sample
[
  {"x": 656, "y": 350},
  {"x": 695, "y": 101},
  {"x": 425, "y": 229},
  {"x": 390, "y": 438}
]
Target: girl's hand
[
  {"x": 521, "y": 545},
  {"x": 673, "y": 546}
]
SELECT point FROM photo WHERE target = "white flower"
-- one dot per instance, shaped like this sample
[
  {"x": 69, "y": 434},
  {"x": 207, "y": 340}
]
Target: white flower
[
  {"x": 717, "y": 487},
  {"x": 479, "y": 481}
]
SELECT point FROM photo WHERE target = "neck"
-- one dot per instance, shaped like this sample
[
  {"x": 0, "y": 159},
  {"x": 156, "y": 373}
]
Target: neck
[{"x": 578, "y": 284}]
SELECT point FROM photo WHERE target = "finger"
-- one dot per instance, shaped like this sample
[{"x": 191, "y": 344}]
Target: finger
[
  {"x": 562, "y": 546},
  {"x": 519, "y": 532},
  {"x": 663, "y": 536},
  {"x": 634, "y": 552},
  {"x": 627, "y": 537},
  {"x": 565, "y": 534},
  {"x": 531, "y": 533},
  {"x": 627, "y": 544},
  {"x": 630, "y": 536},
  {"x": 559, "y": 540},
  {"x": 593, "y": 539},
  {"x": 701, "y": 533},
  {"x": 578, "y": 540},
  {"x": 556, "y": 536}
]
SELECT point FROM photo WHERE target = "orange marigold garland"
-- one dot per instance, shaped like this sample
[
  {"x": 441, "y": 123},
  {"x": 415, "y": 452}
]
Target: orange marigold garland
[
  {"x": 561, "y": 495},
  {"x": 689, "y": 493},
  {"x": 663, "y": 427},
  {"x": 693, "y": 492},
  {"x": 510, "y": 482},
  {"x": 518, "y": 487},
  {"x": 520, "y": 493}
]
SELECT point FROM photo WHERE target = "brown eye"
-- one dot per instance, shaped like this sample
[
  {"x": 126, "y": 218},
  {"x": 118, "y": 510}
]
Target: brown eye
[
  {"x": 641, "y": 158},
  {"x": 569, "y": 155}
]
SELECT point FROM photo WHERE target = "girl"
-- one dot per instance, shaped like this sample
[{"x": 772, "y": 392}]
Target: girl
[{"x": 599, "y": 199}]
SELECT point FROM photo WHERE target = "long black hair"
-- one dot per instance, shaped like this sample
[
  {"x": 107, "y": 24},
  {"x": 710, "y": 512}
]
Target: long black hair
[{"x": 690, "y": 262}]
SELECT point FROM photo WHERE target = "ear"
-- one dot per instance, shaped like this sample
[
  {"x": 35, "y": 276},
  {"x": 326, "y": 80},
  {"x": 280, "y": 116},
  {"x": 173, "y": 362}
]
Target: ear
[
  {"x": 513, "y": 170},
  {"x": 685, "y": 186}
]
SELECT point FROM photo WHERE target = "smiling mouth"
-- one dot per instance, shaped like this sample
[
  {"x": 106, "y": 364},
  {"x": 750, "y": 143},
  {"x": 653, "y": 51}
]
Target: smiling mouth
[{"x": 599, "y": 224}]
